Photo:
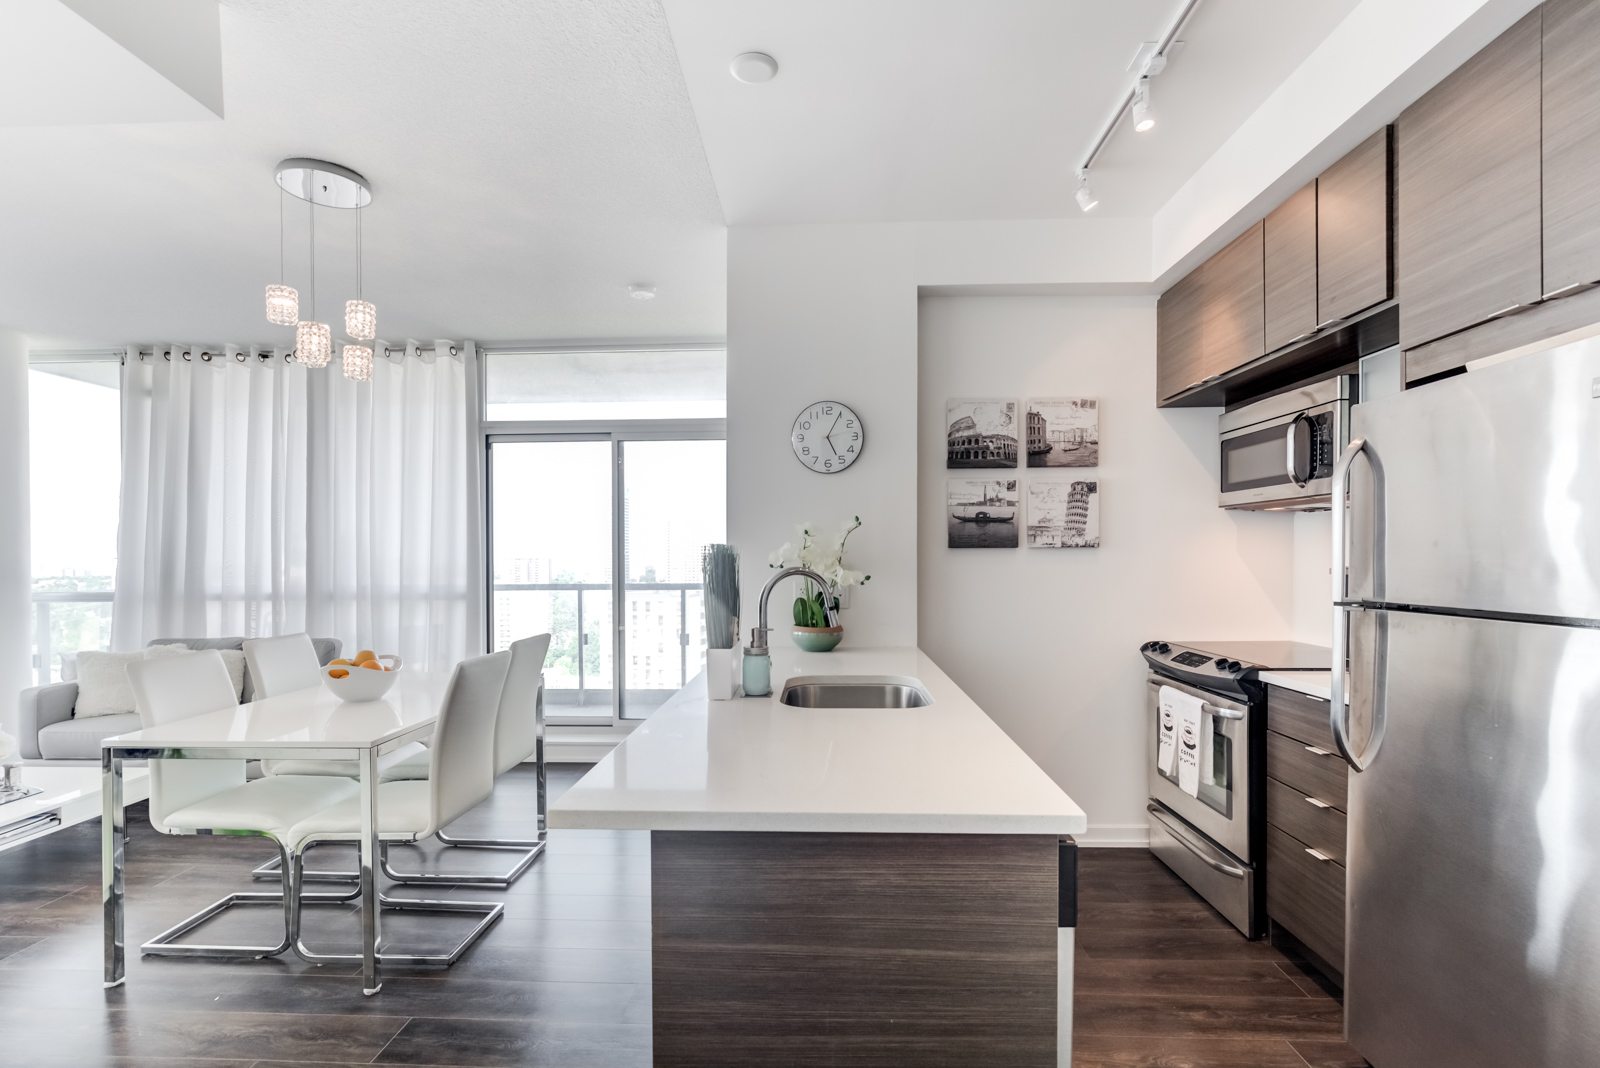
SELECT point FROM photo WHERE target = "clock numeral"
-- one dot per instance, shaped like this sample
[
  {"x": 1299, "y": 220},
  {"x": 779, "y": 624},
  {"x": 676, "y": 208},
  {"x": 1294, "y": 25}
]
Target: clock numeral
[
  {"x": 799, "y": 437},
  {"x": 806, "y": 425},
  {"x": 828, "y": 464},
  {"x": 814, "y": 460},
  {"x": 855, "y": 437},
  {"x": 851, "y": 449},
  {"x": 806, "y": 451},
  {"x": 828, "y": 410},
  {"x": 849, "y": 423}
]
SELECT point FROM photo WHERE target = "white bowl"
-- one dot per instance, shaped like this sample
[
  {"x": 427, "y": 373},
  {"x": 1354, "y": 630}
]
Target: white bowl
[{"x": 362, "y": 684}]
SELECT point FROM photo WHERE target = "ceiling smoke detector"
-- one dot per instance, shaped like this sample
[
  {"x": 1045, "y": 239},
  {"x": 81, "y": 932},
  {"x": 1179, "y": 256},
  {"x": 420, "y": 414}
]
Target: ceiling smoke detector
[
  {"x": 753, "y": 68},
  {"x": 642, "y": 292}
]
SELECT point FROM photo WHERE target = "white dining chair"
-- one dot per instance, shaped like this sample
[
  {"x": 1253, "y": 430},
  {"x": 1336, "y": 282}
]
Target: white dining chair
[
  {"x": 281, "y": 665},
  {"x": 212, "y": 796},
  {"x": 518, "y": 735},
  {"x": 460, "y": 776}
]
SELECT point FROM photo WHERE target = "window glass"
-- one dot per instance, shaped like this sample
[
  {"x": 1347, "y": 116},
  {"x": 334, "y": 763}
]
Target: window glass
[
  {"x": 75, "y": 459},
  {"x": 552, "y": 565},
  {"x": 675, "y": 495},
  {"x": 674, "y": 384}
]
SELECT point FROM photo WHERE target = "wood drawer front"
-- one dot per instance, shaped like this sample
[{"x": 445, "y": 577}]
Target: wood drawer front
[
  {"x": 1299, "y": 716},
  {"x": 1314, "y": 775},
  {"x": 1306, "y": 896},
  {"x": 1320, "y": 828}
]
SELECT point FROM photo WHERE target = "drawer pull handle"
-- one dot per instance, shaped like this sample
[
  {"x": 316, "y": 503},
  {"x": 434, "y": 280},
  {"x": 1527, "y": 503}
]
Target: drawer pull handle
[
  {"x": 1318, "y": 854},
  {"x": 1317, "y": 752},
  {"x": 1319, "y": 803}
]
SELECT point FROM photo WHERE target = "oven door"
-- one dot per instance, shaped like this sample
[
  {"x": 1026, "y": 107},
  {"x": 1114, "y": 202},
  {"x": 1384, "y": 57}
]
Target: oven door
[
  {"x": 1222, "y": 810},
  {"x": 1285, "y": 462}
]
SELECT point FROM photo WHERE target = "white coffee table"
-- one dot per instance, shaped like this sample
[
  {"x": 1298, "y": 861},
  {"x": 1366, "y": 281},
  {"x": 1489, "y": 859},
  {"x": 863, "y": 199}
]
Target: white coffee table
[{"x": 66, "y": 796}]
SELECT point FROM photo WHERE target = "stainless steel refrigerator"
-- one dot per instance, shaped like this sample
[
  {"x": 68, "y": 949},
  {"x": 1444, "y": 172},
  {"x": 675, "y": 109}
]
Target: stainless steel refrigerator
[{"x": 1470, "y": 614}]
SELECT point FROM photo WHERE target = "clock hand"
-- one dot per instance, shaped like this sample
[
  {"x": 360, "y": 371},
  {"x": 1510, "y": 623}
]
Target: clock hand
[{"x": 828, "y": 437}]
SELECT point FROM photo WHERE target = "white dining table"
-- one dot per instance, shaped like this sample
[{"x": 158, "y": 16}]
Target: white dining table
[{"x": 309, "y": 724}]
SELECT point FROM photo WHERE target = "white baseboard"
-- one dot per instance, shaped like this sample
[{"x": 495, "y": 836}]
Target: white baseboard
[{"x": 1115, "y": 836}]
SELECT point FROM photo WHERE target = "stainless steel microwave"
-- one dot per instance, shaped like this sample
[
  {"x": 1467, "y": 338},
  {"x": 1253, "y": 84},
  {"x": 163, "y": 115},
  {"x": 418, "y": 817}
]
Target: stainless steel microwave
[{"x": 1278, "y": 453}]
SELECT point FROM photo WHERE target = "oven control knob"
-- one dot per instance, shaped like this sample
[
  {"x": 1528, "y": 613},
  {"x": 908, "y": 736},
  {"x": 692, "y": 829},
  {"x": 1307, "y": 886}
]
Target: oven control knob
[
  {"x": 1222, "y": 663},
  {"x": 1234, "y": 665},
  {"x": 1163, "y": 647}
]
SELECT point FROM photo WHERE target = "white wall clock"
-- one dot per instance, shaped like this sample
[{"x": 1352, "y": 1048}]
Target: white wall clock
[{"x": 828, "y": 437}]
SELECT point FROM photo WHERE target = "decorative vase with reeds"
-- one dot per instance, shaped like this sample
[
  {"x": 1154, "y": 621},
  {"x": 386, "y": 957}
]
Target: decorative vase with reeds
[{"x": 719, "y": 570}]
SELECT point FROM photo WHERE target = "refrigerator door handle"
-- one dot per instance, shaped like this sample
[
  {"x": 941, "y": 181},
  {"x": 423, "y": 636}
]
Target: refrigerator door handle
[{"x": 1338, "y": 706}]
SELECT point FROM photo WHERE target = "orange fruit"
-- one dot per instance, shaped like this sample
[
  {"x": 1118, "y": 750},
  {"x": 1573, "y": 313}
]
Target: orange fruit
[
  {"x": 345, "y": 662},
  {"x": 372, "y": 665},
  {"x": 364, "y": 655},
  {"x": 338, "y": 673}
]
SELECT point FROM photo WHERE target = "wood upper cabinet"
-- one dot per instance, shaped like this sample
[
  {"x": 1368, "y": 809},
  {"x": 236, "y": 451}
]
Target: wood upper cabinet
[
  {"x": 1571, "y": 149},
  {"x": 1179, "y": 356},
  {"x": 1231, "y": 327},
  {"x": 1289, "y": 280},
  {"x": 1353, "y": 246},
  {"x": 1468, "y": 191}
]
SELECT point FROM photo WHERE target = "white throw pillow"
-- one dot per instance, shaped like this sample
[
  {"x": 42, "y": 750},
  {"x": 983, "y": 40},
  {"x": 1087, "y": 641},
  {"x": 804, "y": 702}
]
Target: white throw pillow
[
  {"x": 233, "y": 660},
  {"x": 103, "y": 686}
]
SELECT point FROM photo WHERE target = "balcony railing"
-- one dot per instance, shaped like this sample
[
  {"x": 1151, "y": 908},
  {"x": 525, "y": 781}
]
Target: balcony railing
[
  {"x": 42, "y": 602},
  {"x": 559, "y": 640}
]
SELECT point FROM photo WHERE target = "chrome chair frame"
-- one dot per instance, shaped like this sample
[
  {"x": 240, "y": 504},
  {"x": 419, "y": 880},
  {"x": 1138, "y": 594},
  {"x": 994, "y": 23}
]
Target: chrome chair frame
[
  {"x": 491, "y": 912},
  {"x": 165, "y": 944}
]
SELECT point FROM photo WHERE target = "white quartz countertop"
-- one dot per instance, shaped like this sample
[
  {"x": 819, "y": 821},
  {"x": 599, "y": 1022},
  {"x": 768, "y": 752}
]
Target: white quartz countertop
[
  {"x": 1310, "y": 683},
  {"x": 756, "y": 765}
]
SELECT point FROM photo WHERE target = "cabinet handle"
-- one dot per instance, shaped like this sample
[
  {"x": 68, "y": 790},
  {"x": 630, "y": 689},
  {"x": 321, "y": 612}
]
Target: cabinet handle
[
  {"x": 1318, "y": 854},
  {"x": 1327, "y": 323},
  {"x": 1567, "y": 291},
  {"x": 1318, "y": 803},
  {"x": 1512, "y": 310},
  {"x": 1317, "y": 752}
]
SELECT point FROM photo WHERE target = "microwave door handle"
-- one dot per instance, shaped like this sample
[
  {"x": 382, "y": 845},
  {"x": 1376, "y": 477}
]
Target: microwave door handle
[
  {"x": 1338, "y": 707},
  {"x": 1297, "y": 475}
]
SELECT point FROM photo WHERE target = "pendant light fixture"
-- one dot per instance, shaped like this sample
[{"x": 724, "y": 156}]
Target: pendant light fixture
[
  {"x": 283, "y": 303},
  {"x": 313, "y": 341},
  {"x": 330, "y": 185}
]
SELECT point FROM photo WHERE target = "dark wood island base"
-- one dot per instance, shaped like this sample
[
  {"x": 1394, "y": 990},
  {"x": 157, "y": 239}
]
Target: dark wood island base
[{"x": 854, "y": 950}]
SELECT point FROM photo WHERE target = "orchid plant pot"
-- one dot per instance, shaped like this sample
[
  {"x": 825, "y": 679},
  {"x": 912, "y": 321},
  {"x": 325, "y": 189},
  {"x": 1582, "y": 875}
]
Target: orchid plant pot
[{"x": 818, "y": 639}]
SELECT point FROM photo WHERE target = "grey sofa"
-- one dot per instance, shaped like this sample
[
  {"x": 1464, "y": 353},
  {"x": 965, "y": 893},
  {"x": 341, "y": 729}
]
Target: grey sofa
[{"x": 47, "y": 729}]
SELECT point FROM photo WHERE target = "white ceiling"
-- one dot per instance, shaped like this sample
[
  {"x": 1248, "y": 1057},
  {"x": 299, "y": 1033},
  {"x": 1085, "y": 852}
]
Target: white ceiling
[
  {"x": 955, "y": 109},
  {"x": 529, "y": 161}
]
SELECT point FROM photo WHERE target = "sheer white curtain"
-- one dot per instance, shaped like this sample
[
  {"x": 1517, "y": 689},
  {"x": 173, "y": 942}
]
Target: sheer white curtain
[{"x": 260, "y": 497}]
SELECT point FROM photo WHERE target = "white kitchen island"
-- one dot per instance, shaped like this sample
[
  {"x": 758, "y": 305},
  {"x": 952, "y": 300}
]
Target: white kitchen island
[{"x": 863, "y": 886}]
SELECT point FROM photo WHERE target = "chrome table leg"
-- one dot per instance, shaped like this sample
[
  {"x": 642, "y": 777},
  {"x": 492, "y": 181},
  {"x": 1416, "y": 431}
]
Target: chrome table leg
[
  {"x": 370, "y": 906},
  {"x": 112, "y": 836}
]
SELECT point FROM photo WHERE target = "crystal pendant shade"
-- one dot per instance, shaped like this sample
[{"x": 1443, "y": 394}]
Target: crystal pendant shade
[
  {"x": 360, "y": 320},
  {"x": 358, "y": 363},
  {"x": 283, "y": 305},
  {"x": 313, "y": 344}
]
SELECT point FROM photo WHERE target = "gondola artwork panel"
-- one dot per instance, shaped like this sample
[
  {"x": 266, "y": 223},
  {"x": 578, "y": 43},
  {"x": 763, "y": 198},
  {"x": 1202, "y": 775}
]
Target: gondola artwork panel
[
  {"x": 1063, "y": 515},
  {"x": 1063, "y": 432},
  {"x": 982, "y": 513},
  {"x": 980, "y": 433}
]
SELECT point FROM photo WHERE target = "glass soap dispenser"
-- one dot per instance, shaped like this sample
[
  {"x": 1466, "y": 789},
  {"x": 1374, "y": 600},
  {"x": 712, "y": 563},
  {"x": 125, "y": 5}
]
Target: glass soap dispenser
[{"x": 757, "y": 665}]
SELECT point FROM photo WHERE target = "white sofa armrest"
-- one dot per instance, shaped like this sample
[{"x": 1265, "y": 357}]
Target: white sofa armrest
[{"x": 40, "y": 706}]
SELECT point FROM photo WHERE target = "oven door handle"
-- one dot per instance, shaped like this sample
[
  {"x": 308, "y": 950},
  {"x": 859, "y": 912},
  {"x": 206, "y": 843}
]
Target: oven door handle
[
  {"x": 1221, "y": 713},
  {"x": 1183, "y": 839},
  {"x": 1293, "y": 439}
]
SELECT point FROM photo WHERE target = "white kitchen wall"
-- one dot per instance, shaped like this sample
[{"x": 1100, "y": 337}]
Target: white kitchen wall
[
  {"x": 15, "y": 567},
  {"x": 1046, "y": 640},
  {"x": 1313, "y": 578}
]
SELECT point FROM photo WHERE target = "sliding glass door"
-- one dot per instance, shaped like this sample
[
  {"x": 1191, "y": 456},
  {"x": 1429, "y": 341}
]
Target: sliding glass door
[{"x": 596, "y": 538}]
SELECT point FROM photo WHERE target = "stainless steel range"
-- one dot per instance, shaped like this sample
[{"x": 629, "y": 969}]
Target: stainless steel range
[{"x": 1206, "y": 707}]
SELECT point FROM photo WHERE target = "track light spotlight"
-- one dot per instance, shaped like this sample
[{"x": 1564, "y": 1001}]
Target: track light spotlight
[
  {"x": 1086, "y": 199},
  {"x": 1143, "y": 118}
]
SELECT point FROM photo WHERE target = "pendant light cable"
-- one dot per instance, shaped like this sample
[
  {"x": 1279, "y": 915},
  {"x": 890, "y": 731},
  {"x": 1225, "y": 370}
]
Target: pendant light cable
[{"x": 313, "y": 261}]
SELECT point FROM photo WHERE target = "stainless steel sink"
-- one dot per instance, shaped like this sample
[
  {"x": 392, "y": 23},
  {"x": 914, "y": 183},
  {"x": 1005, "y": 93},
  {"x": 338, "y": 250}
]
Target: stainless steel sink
[{"x": 854, "y": 691}]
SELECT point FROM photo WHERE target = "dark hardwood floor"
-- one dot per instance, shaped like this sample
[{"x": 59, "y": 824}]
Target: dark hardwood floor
[
  {"x": 564, "y": 979},
  {"x": 1163, "y": 981}
]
